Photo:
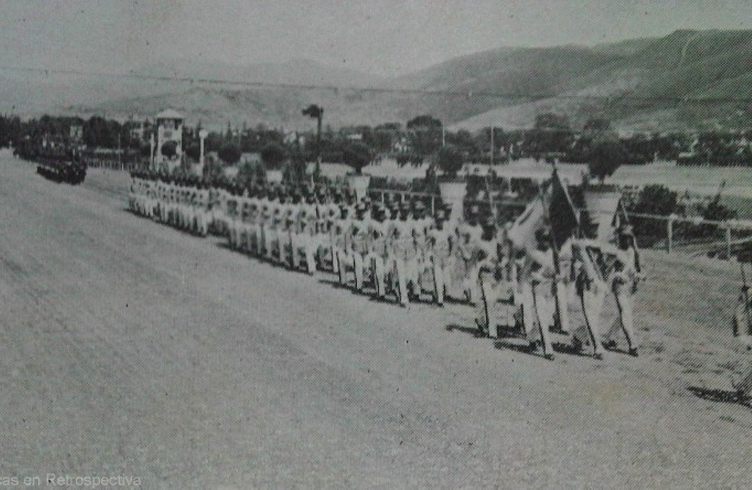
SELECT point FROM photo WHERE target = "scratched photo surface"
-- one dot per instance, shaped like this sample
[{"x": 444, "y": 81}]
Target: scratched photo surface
[{"x": 389, "y": 243}]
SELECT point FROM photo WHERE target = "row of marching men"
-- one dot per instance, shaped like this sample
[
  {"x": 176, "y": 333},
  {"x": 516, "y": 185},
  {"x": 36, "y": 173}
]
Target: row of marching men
[
  {"x": 536, "y": 287},
  {"x": 395, "y": 249},
  {"x": 181, "y": 202},
  {"x": 398, "y": 251}
]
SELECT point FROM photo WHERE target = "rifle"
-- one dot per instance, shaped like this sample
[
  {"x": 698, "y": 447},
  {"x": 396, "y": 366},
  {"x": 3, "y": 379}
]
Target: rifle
[{"x": 745, "y": 296}]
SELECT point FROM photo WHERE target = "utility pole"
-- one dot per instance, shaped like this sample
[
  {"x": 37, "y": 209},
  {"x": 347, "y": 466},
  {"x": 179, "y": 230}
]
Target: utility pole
[
  {"x": 315, "y": 111},
  {"x": 492, "y": 145}
]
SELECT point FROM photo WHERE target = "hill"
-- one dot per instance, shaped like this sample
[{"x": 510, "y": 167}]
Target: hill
[
  {"x": 646, "y": 86},
  {"x": 639, "y": 84}
]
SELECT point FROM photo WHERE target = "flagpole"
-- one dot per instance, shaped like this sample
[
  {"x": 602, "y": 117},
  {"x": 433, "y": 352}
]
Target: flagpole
[
  {"x": 492, "y": 145},
  {"x": 562, "y": 306}
]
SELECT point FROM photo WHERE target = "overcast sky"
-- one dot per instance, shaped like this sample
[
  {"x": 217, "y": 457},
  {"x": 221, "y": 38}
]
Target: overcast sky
[{"x": 385, "y": 37}]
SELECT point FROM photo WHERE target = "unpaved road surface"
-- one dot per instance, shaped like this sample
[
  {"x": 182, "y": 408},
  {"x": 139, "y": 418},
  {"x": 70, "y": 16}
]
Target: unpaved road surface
[{"x": 128, "y": 348}]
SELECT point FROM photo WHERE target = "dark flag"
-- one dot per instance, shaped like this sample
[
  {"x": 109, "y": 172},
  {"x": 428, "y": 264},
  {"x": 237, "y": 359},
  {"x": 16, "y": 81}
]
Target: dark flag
[{"x": 561, "y": 211}]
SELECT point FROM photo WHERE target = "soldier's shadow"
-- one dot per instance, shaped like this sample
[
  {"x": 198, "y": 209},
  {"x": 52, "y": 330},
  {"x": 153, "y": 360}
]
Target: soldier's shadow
[
  {"x": 474, "y": 331},
  {"x": 721, "y": 396},
  {"x": 335, "y": 283},
  {"x": 225, "y": 246}
]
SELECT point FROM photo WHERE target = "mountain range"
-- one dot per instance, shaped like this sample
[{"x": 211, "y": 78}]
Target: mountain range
[{"x": 650, "y": 84}]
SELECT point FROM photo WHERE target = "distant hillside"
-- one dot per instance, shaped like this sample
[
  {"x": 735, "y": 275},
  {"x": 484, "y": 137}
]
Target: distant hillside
[
  {"x": 685, "y": 64},
  {"x": 638, "y": 84},
  {"x": 294, "y": 72}
]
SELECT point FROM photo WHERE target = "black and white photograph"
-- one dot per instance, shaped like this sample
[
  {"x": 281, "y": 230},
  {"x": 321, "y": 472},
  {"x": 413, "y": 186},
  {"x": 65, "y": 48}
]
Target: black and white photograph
[{"x": 376, "y": 244}]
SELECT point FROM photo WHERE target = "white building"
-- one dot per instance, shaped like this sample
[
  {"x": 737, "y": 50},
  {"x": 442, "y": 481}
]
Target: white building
[{"x": 169, "y": 128}]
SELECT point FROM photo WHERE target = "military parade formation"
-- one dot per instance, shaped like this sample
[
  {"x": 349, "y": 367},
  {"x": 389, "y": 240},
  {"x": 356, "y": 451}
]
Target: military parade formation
[{"x": 398, "y": 250}]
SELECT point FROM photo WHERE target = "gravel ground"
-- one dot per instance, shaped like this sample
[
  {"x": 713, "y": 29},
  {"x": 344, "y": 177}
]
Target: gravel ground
[{"x": 129, "y": 348}]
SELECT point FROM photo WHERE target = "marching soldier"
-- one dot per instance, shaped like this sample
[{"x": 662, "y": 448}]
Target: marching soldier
[
  {"x": 420, "y": 226},
  {"x": 491, "y": 266},
  {"x": 377, "y": 254},
  {"x": 263, "y": 224},
  {"x": 470, "y": 234},
  {"x": 270, "y": 227},
  {"x": 536, "y": 285},
  {"x": 359, "y": 231},
  {"x": 591, "y": 289},
  {"x": 307, "y": 238},
  {"x": 233, "y": 212},
  {"x": 202, "y": 210},
  {"x": 399, "y": 237},
  {"x": 624, "y": 282},
  {"x": 343, "y": 243},
  {"x": 334, "y": 214},
  {"x": 439, "y": 256},
  {"x": 133, "y": 193},
  {"x": 252, "y": 221}
]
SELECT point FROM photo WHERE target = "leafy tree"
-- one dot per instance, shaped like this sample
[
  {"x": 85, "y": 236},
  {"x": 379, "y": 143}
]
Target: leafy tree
[
  {"x": 316, "y": 112},
  {"x": 552, "y": 134},
  {"x": 273, "y": 155},
  {"x": 356, "y": 155},
  {"x": 212, "y": 171},
  {"x": 295, "y": 171},
  {"x": 229, "y": 153},
  {"x": 193, "y": 151},
  {"x": 597, "y": 125},
  {"x": 713, "y": 211},
  {"x": 169, "y": 149},
  {"x": 449, "y": 159},
  {"x": 247, "y": 173},
  {"x": 605, "y": 157},
  {"x": 656, "y": 200},
  {"x": 425, "y": 121}
]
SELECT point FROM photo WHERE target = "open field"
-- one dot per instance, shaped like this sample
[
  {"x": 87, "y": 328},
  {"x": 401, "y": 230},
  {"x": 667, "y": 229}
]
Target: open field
[
  {"x": 129, "y": 348},
  {"x": 701, "y": 180}
]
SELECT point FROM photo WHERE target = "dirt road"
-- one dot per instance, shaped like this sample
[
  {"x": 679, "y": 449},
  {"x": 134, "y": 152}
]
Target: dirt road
[{"x": 128, "y": 348}]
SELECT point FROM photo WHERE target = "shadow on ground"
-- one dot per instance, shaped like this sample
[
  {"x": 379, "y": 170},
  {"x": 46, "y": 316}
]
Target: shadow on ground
[{"x": 721, "y": 396}]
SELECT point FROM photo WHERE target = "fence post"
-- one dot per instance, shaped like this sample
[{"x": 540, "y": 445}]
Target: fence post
[
  {"x": 670, "y": 233},
  {"x": 728, "y": 241}
]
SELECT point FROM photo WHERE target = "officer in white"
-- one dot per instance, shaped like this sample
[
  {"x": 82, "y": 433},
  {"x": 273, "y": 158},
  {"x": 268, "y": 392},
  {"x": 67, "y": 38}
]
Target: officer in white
[
  {"x": 591, "y": 290},
  {"x": 624, "y": 281},
  {"x": 536, "y": 284},
  {"x": 440, "y": 256}
]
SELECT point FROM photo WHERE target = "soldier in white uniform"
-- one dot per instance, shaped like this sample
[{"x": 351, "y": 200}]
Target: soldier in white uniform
[
  {"x": 439, "y": 258},
  {"x": 624, "y": 282},
  {"x": 495, "y": 284},
  {"x": 263, "y": 223},
  {"x": 470, "y": 236},
  {"x": 360, "y": 244},
  {"x": 202, "y": 209},
  {"x": 376, "y": 256},
  {"x": 234, "y": 204},
  {"x": 308, "y": 237},
  {"x": 270, "y": 226},
  {"x": 343, "y": 243},
  {"x": 591, "y": 289},
  {"x": 536, "y": 285},
  {"x": 400, "y": 243},
  {"x": 421, "y": 225}
]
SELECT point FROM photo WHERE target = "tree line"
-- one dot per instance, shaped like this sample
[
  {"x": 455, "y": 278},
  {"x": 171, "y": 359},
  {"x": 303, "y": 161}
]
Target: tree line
[{"x": 552, "y": 137}]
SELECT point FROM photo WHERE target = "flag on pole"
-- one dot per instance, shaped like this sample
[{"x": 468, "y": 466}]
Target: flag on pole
[
  {"x": 603, "y": 210},
  {"x": 561, "y": 211},
  {"x": 522, "y": 231}
]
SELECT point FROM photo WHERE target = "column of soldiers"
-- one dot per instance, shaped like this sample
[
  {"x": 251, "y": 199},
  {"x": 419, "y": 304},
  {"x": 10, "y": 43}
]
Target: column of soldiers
[
  {"x": 398, "y": 251},
  {"x": 181, "y": 202}
]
